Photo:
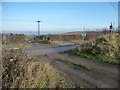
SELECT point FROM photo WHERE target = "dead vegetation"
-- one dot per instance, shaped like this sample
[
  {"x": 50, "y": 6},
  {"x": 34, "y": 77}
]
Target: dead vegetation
[
  {"x": 105, "y": 49},
  {"x": 108, "y": 45},
  {"x": 13, "y": 38},
  {"x": 21, "y": 71},
  {"x": 73, "y": 36}
]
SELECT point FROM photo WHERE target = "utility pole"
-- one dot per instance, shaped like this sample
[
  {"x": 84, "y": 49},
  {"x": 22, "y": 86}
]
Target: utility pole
[{"x": 38, "y": 27}]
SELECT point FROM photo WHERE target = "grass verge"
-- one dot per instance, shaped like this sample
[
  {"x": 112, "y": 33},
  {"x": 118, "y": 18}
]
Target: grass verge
[
  {"x": 17, "y": 45},
  {"x": 97, "y": 57}
]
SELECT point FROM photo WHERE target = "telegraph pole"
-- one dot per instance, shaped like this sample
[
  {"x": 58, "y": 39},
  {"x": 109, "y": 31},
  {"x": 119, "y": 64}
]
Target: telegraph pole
[{"x": 38, "y": 27}]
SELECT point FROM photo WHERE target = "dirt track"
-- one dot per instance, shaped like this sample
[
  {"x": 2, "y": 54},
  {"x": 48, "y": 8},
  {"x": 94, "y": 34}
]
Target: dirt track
[
  {"x": 86, "y": 73},
  {"x": 98, "y": 75}
]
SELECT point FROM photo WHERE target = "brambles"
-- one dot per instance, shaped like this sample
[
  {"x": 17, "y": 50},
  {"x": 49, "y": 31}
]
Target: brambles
[
  {"x": 22, "y": 71},
  {"x": 104, "y": 49}
]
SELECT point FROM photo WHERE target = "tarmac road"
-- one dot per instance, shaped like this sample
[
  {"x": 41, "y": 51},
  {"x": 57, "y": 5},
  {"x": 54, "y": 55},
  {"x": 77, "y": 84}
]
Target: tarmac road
[{"x": 35, "y": 51}]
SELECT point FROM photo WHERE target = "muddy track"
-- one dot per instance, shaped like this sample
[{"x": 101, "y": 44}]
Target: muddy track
[{"x": 84, "y": 72}]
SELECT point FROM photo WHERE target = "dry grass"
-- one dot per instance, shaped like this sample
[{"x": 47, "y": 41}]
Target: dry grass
[{"x": 21, "y": 71}]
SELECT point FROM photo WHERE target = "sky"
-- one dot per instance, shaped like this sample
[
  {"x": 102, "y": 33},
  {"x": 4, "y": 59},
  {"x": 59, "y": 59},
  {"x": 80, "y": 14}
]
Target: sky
[{"x": 58, "y": 16}]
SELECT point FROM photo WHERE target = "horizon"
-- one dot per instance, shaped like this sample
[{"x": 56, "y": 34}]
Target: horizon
[
  {"x": 65, "y": 16},
  {"x": 57, "y": 32}
]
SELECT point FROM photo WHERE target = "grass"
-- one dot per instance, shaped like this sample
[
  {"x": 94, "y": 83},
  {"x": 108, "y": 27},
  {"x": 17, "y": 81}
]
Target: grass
[
  {"x": 40, "y": 40},
  {"x": 51, "y": 78},
  {"x": 43, "y": 41},
  {"x": 17, "y": 45},
  {"x": 97, "y": 57}
]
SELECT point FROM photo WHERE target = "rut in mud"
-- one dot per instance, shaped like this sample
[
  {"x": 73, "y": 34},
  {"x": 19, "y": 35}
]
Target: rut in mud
[{"x": 85, "y": 72}]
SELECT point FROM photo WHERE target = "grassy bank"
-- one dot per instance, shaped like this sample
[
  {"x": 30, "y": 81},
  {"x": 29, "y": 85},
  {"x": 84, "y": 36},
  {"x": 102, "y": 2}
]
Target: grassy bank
[
  {"x": 22, "y": 71},
  {"x": 88, "y": 55},
  {"x": 105, "y": 49}
]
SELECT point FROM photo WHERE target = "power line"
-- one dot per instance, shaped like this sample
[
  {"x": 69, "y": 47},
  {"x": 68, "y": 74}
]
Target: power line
[
  {"x": 113, "y": 7},
  {"x": 116, "y": 9}
]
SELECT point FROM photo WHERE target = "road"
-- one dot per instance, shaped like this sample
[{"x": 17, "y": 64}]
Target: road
[
  {"x": 86, "y": 73},
  {"x": 35, "y": 51}
]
